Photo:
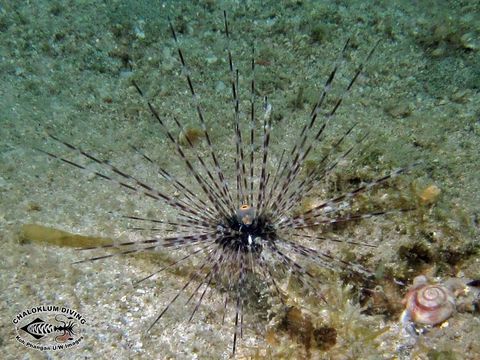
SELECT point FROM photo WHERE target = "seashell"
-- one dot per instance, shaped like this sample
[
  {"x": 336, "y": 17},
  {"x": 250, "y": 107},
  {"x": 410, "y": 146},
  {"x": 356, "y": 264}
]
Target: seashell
[{"x": 429, "y": 304}]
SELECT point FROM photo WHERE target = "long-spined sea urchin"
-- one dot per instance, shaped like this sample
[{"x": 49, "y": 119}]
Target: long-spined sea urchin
[{"x": 252, "y": 226}]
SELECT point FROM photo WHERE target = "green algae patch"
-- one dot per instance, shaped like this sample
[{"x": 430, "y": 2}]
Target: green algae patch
[{"x": 47, "y": 235}]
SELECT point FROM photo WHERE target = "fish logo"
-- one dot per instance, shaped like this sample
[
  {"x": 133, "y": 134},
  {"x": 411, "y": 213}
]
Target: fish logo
[
  {"x": 38, "y": 328},
  {"x": 49, "y": 328}
]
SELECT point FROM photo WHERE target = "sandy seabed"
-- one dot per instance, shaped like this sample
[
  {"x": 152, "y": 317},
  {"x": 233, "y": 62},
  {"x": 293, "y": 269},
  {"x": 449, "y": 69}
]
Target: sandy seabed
[{"x": 66, "y": 68}]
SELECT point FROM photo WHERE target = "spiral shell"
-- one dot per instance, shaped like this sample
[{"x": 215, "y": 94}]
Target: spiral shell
[{"x": 429, "y": 304}]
